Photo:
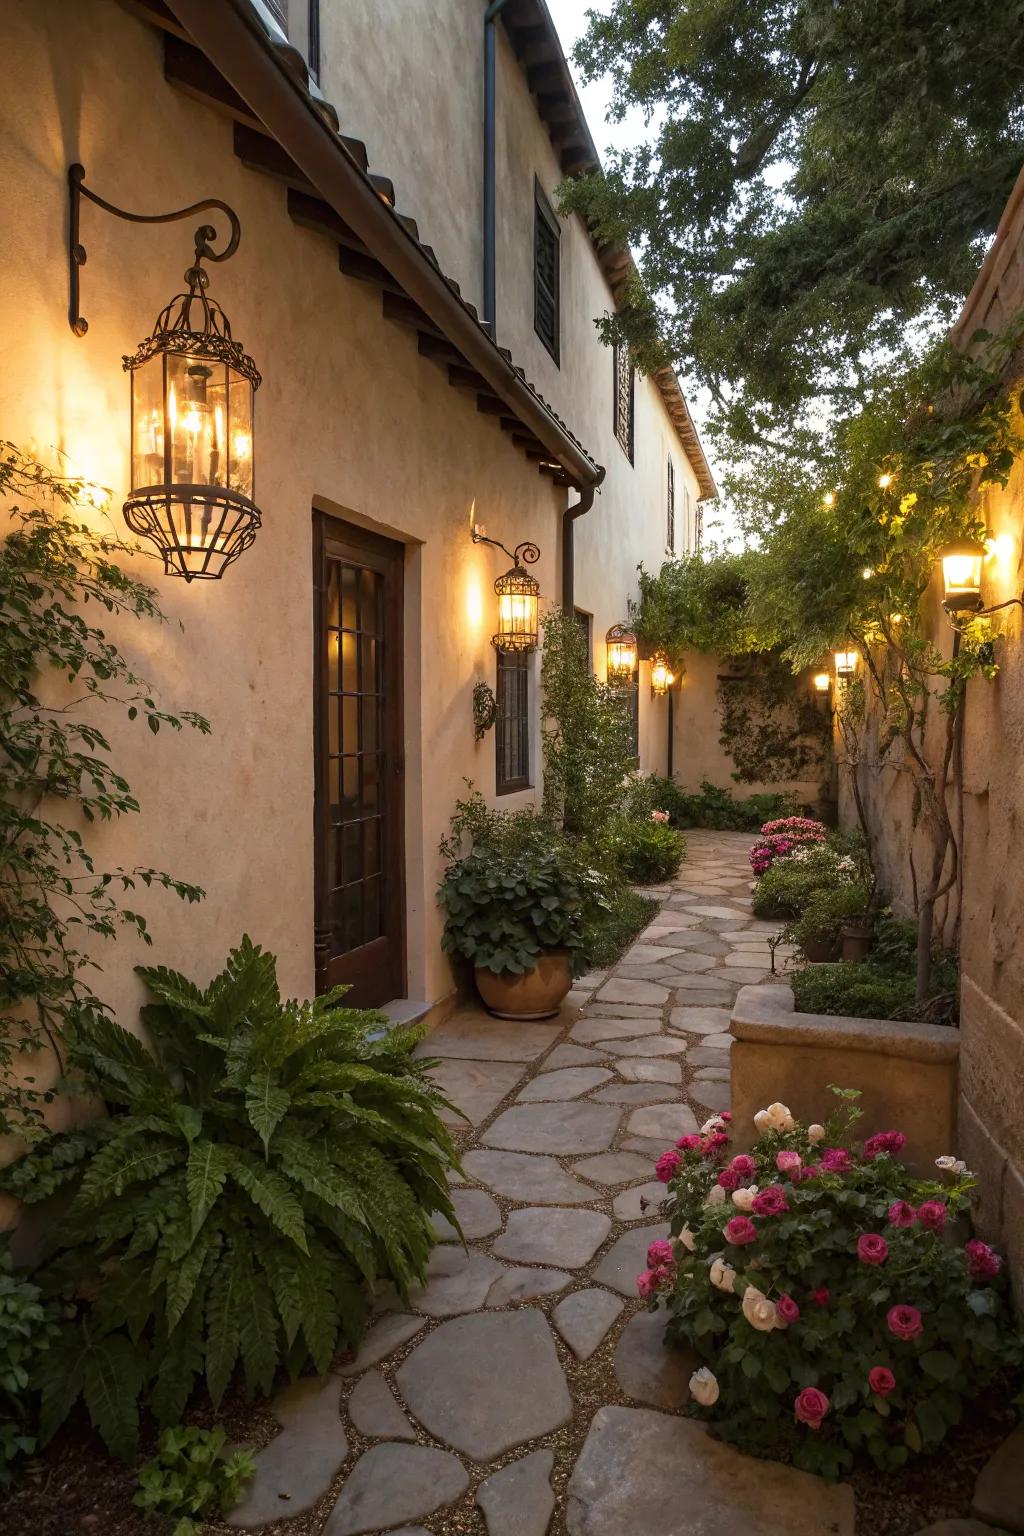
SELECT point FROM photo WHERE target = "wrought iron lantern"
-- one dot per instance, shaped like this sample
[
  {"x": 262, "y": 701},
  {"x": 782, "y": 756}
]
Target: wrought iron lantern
[
  {"x": 961, "y": 575},
  {"x": 662, "y": 676},
  {"x": 192, "y": 479},
  {"x": 822, "y": 682},
  {"x": 621, "y": 644},
  {"x": 846, "y": 663},
  {"x": 518, "y": 595}
]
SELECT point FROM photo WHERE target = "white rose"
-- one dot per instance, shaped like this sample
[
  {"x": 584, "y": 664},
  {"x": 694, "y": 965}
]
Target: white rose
[
  {"x": 743, "y": 1199},
  {"x": 779, "y": 1117},
  {"x": 716, "y": 1123},
  {"x": 762, "y": 1121},
  {"x": 704, "y": 1387},
  {"x": 759, "y": 1312},
  {"x": 715, "y": 1195},
  {"x": 815, "y": 1133},
  {"x": 688, "y": 1239},
  {"x": 722, "y": 1275},
  {"x": 946, "y": 1163}
]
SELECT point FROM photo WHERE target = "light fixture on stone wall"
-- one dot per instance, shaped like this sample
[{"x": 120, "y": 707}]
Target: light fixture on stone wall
[
  {"x": 822, "y": 682},
  {"x": 846, "y": 663},
  {"x": 192, "y": 483},
  {"x": 621, "y": 646},
  {"x": 961, "y": 574},
  {"x": 518, "y": 595},
  {"x": 662, "y": 676}
]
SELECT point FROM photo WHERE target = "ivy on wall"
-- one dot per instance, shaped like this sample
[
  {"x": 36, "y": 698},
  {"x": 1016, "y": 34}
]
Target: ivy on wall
[{"x": 770, "y": 728}]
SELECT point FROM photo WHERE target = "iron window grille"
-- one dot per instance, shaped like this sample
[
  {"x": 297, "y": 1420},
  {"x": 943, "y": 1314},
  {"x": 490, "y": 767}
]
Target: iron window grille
[
  {"x": 546, "y": 238},
  {"x": 698, "y": 528},
  {"x": 623, "y": 387},
  {"x": 586, "y": 624},
  {"x": 670, "y": 508},
  {"x": 512, "y": 726}
]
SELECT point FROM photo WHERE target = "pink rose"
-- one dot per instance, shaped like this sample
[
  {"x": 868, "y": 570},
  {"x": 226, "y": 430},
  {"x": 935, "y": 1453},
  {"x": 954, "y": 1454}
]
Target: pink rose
[
  {"x": 667, "y": 1166},
  {"x": 901, "y": 1214},
  {"x": 881, "y": 1380},
  {"x": 646, "y": 1284},
  {"x": 904, "y": 1322},
  {"x": 688, "y": 1143},
  {"x": 811, "y": 1407},
  {"x": 726, "y": 1115},
  {"x": 820, "y": 1295},
  {"x": 932, "y": 1215},
  {"x": 871, "y": 1249},
  {"x": 787, "y": 1309},
  {"x": 771, "y": 1201},
  {"x": 884, "y": 1141},
  {"x": 744, "y": 1165},
  {"x": 808, "y": 1171},
  {"x": 788, "y": 1162},
  {"x": 983, "y": 1263},
  {"x": 660, "y": 1255},
  {"x": 729, "y": 1178},
  {"x": 741, "y": 1230},
  {"x": 835, "y": 1160}
]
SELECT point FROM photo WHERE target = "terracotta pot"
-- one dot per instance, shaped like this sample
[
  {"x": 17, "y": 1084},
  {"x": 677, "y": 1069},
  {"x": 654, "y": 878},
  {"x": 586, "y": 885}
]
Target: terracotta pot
[
  {"x": 537, "y": 994},
  {"x": 858, "y": 939},
  {"x": 819, "y": 950}
]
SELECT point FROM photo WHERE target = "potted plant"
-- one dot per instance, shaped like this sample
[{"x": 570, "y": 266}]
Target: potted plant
[
  {"x": 517, "y": 910},
  {"x": 819, "y": 930}
]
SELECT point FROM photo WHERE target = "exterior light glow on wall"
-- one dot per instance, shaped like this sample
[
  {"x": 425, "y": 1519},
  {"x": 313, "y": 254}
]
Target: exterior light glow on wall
[
  {"x": 961, "y": 574},
  {"x": 822, "y": 682},
  {"x": 518, "y": 595},
  {"x": 846, "y": 663},
  {"x": 192, "y": 483},
  {"x": 621, "y": 646},
  {"x": 662, "y": 676}
]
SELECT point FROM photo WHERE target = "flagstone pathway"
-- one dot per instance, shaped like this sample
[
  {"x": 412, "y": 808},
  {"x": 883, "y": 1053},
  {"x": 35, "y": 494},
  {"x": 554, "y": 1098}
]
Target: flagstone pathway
[{"x": 523, "y": 1391}]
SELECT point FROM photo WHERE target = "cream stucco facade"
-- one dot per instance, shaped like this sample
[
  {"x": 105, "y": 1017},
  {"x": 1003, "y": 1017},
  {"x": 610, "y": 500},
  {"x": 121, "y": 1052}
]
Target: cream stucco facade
[{"x": 350, "y": 419}]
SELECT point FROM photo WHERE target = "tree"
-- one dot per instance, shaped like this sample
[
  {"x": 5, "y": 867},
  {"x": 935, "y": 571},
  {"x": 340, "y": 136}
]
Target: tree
[{"x": 819, "y": 180}]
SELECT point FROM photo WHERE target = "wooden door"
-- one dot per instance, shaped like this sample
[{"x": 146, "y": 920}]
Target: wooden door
[{"x": 359, "y": 766}]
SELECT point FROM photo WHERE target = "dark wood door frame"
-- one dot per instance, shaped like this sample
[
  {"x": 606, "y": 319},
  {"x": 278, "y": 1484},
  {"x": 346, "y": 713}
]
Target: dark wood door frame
[{"x": 376, "y": 971}]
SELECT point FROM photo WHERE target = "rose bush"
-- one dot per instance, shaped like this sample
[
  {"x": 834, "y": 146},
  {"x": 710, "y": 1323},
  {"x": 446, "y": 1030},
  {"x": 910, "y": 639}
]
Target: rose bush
[
  {"x": 838, "y": 1309},
  {"x": 782, "y": 837}
]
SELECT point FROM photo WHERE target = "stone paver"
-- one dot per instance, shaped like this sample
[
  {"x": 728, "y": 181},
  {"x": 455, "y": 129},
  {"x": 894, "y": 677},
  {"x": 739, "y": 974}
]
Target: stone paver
[
  {"x": 572, "y": 1056},
  {"x": 474, "y": 1037},
  {"x": 547, "y": 1236},
  {"x": 584, "y": 1318},
  {"x": 654, "y": 1070},
  {"x": 647, "y": 1369},
  {"x": 655, "y": 1045},
  {"x": 392, "y": 1483},
  {"x": 633, "y": 992},
  {"x": 639, "y": 1202},
  {"x": 999, "y": 1491},
  {"x": 700, "y": 1021},
  {"x": 374, "y": 1411},
  {"x": 613, "y": 1167},
  {"x": 457, "y": 1281},
  {"x": 590, "y": 1030},
  {"x": 634, "y": 1093},
  {"x": 562, "y": 1129},
  {"x": 382, "y": 1340},
  {"x": 570, "y": 1083},
  {"x": 478, "y": 1216},
  {"x": 476, "y": 1088},
  {"x": 523, "y": 1284},
  {"x": 300, "y": 1463},
  {"x": 665, "y": 1121},
  {"x": 486, "y": 1383},
  {"x": 646, "y": 1471},
  {"x": 626, "y": 1258},
  {"x": 518, "y": 1501},
  {"x": 520, "y": 1176}
]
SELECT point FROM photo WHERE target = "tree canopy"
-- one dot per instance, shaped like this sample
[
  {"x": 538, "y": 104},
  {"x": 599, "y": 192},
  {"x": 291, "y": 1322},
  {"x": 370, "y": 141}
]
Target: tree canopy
[{"x": 818, "y": 178}]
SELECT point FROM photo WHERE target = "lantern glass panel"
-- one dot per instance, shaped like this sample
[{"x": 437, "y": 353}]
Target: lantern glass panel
[
  {"x": 961, "y": 573},
  {"x": 240, "y": 438},
  {"x": 621, "y": 659},
  {"x": 821, "y": 682},
  {"x": 846, "y": 663},
  {"x": 148, "y": 424},
  {"x": 197, "y": 418}
]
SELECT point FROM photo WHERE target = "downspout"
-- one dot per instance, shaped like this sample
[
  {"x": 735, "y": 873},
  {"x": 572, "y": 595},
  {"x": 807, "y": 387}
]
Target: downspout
[
  {"x": 569, "y": 516},
  {"x": 671, "y": 728},
  {"x": 490, "y": 303}
]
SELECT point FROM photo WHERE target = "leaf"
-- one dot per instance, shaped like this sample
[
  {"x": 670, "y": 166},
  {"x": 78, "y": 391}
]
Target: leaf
[
  {"x": 205, "y": 1175},
  {"x": 266, "y": 1104},
  {"x": 271, "y": 1194},
  {"x": 257, "y": 1326},
  {"x": 112, "y": 1384},
  {"x": 939, "y": 1365},
  {"x": 124, "y": 1162},
  {"x": 222, "y": 1329}
]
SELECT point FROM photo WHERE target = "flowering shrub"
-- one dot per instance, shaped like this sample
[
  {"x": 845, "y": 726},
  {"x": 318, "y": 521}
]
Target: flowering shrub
[
  {"x": 659, "y": 816},
  {"x": 838, "y": 1311},
  {"x": 792, "y": 880},
  {"x": 784, "y": 836}
]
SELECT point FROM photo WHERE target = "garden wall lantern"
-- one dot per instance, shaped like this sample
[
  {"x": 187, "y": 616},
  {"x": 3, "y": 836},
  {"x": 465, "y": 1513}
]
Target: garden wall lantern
[
  {"x": 961, "y": 574},
  {"x": 518, "y": 595},
  {"x": 846, "y": 663},
  {"x": 192, "y": 483},
  {"x": 621, "y": 646},
  {"x": 662, "y": 676},
  {"x": 822, "y": 682}
]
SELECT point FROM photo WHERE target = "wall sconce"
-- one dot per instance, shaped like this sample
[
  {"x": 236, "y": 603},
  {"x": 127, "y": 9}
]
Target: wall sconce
[
  {"x": 846, "y": 663},
  {"x": 961, "y": 574},
  {"x": 518, "y": 595},
  {"x": 621, "y": 646},
  {"x": 192, "y": 482},
  {"x": 822, "y": 682},
  {"x": 662, "y": 676}
]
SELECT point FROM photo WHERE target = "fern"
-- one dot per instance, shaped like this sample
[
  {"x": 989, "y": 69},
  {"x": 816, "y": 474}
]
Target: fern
[{"x": 270, "y": 1163}]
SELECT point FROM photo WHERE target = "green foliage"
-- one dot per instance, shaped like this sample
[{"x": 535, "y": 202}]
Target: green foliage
[
  {"x": 55, "y": 765},
  {"x": 261, "y": 1170},
  {"x": 647, "y": 852},
  {"x": 787, "y": 887},
  {"x": 587, "y": 747},
  {"x": 825, "y": 912},
  {"x": 190, "y": 1477},
  {"x": 607, "y": 939},
  {"x": 719, "y": 809},
  {"x": 862, "y": 1292},
  {"x": 817, "y": 192},
  {"x": 27, "y": 1326},
  {"x": 884, "y": 985},
  {"x": 521, "y": 888},
  {"x": 701, "y": 603},
  {"x": 772, "y": 727}
]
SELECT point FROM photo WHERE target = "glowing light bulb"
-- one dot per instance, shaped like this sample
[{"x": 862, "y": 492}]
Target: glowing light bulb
[
  {"x": 829, "y": 498},
  {"x": 885, "y": 480},
  {"x": 867, "y": 573}
]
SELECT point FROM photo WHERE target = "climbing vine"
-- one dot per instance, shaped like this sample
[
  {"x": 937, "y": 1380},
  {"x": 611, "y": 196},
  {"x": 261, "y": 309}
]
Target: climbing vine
[{"x": 770, "y": 727}]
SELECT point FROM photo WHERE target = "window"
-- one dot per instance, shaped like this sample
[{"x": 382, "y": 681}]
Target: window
[
  {"x": 300, "y": 21},
  {"x": 623, "y": 384},
  {"x": 670, "y": 509},
  {"x": 698, "y": 528},
  {"x": 512, "y": 727},
  {"x": 546, "y": 235},
  {"x": 688, "y": 529},
  {"x": 586, "y": 624}
]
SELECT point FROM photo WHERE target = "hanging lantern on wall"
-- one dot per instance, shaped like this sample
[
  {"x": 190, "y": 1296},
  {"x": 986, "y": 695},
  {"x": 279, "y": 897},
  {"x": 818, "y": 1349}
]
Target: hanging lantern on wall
[
  {"x": 662, "y": 676},
  {"x": 961, "y": 574},
  {"x": 822, "y": 682},
  {"x": 518, "y": 595},
  {"x": 846, "y": 663},
  {"x": 621, "y": 646}
]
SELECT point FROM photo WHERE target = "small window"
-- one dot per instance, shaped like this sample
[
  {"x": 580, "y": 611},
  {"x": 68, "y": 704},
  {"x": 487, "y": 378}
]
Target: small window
[
  {"x": 670, "y": 509},
  {"x": 546, "y": 235},
  {"x": 586, "y": 623},
  {"x": 698, "y": 528},
  {"x": 300, "y": 21},
  {"x": 623, "y": 386},
  {"x": 512, "y": 727}
]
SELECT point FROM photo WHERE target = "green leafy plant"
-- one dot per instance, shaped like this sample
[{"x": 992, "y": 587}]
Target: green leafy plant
[
  {"x": 789, "y": 884},
  {"x": 190, "y": 1477},
  {"x": 647, "y": 851},
  {"x": 822, "y": 919},
  {"x": 884, "y": 985},
  {"x": 27, "y": 1326},
  {"x": 841, "y": 1318},
  {"x": 59, "y": 675},
  {"x": 262, "y": 1168},
  {"x": 717, "y": 808},
  {"x": 612, "y": 932}
]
